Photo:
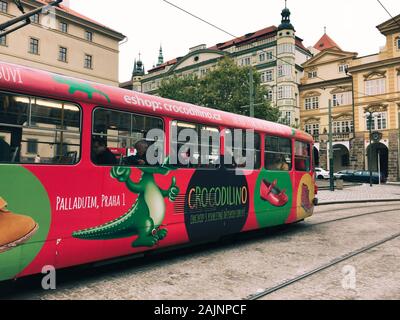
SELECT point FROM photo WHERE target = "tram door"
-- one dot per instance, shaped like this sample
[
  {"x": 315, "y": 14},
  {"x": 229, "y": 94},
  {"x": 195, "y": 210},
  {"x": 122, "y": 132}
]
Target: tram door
[{"x": 304, "y": 180}]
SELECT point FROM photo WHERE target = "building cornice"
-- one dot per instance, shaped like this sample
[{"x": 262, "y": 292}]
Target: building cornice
[
  {"x": 325, "y": 84},
  {"x": 376, "y": 64}
]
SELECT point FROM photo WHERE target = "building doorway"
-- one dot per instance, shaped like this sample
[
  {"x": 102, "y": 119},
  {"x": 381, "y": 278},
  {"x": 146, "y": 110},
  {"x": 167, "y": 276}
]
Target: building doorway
[
  {"x": 316, "y": 157},
  {"x": 341, "y": 157},
  {"x": 379, "y": 158}
]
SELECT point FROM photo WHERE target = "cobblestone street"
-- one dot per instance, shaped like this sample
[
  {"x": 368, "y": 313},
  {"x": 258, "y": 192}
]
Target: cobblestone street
[
  {"x": 360, "y": 193},
  {"x": 254, "y": 262}
]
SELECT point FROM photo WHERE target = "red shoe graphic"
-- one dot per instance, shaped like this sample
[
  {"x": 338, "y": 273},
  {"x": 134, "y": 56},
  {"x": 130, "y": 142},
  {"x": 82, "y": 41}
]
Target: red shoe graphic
[{"x": 271, "y": 193}]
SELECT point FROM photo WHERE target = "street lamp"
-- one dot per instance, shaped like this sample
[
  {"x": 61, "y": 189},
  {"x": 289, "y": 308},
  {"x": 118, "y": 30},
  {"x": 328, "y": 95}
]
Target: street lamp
[{"x": 370, "y": 116}]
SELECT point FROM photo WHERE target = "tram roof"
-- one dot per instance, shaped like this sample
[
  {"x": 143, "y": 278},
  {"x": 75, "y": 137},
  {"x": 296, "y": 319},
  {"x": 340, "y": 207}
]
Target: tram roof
[{"x": 31, "y": 81}]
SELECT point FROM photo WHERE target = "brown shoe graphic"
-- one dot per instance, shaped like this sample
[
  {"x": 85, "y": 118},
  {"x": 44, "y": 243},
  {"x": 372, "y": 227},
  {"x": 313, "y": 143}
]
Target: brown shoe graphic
[{"x": 15, "y": 229}]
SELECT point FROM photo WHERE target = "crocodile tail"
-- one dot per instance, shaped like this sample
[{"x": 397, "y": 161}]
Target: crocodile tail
[
  {"x": 116, "y": 229},
  {"x": 104, "y": 95}
]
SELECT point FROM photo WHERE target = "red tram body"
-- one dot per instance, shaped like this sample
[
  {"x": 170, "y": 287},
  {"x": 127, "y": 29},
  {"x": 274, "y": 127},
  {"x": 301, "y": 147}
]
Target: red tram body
[{"x": 83, "y": 212}]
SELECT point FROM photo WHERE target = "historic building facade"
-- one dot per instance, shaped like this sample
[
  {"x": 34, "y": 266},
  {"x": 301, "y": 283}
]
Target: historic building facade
[
  {"x": 357, "y": 87},
  {"x": 326, "y": 78},
  {"x": 276, "y": 52},
  {"x": 72, "y": 44},
  {"x": 377, "y": 91}
]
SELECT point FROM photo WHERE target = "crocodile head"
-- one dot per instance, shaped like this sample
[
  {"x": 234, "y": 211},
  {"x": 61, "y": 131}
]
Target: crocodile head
[{"x": 164, "y": 169}]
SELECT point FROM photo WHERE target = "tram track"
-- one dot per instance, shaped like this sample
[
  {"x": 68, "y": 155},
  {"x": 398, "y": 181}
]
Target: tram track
[
  {"x": 336, "y": 261},
  {"x": 354, "y": 216},
  {"x": 355, "y": 207}
]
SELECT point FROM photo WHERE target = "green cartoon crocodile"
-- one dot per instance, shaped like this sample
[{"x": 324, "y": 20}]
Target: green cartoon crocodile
[
  {"x": 145, "y": 217},
  {"x": 80, "y": 86}
]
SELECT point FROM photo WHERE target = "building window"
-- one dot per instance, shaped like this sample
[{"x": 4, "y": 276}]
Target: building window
[
  {"x": 284, "y": 70},
  {"x": 398, "y": 43},
  {"x": 267, "y": 76},
  {"x": 35, "y": 19},
  {"x": 398, "y": 81},
  {"x": 285, "y": 92},
  {"x": 4, "y": 6},
  {"x": 33, "y": 46},
  {"x": 89, "y": 36},
  {"x": 262, "y": 57},
  {"x": 270, "y": 55},
  {"x": 32, "y": 146},
  {"x": 286, "y": 118},
  {"x": 270, "y": 95},
  {"x": 343, "y": 126},
  {"x": 312, "y": 103},
  {"x": 343, "y": 68},
  {"x": 312, "y": 129},
  {"x": 376, "y": 86},
  {"x": 379, "y": 121},
  {"x": 312, "y": 74},
  {"x": 3, "y": 41},
  {"x": 342, "y": 99},
  {"x": 286, "y": 48},
  {"x": 62, "y": 54},
  {"x": 246, "y": 61},
  {"x": 88, "y": 61},
  {"x": 64, "y": 27}
]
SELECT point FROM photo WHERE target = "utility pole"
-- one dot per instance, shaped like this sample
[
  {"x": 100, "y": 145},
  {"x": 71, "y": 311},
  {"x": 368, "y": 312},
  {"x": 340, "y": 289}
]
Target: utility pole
[
  {"x": 370, "y": 117},
  {"x": 251, "y": 84},
  {"x": 331, "y": 162}
]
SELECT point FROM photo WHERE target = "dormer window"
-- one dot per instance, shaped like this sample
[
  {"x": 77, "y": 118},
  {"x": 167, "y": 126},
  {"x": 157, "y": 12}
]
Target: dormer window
[
  {"x": 312, "y": 74},
  {"x": 343, "y": 68}
]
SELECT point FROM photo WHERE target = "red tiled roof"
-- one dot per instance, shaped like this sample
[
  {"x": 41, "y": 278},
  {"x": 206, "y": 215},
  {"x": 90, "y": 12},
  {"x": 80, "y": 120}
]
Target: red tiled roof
[
  {"x": 162, "y": 66},
  {"x": 246, "y": 39},
  {"x": 326, "y": 42},
  {"x": 76, "y": 14}
]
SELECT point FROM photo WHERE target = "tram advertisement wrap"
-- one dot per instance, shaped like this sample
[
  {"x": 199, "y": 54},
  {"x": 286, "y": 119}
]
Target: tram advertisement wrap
[
  {"x": 25, "y": 217},
  {"x": 216, "y": 204}
]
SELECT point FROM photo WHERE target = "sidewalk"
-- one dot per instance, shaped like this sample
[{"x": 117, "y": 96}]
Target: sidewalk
[{"x": 361, "y": 193}]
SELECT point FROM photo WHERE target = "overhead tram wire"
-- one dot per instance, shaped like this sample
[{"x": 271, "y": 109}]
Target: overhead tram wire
[
  {"x": 252, "y": 45},
  {"x": 383, "y": 6}
]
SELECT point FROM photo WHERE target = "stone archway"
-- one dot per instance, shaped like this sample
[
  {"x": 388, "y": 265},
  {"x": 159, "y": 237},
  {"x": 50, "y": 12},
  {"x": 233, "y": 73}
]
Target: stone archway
[
  {"x": 341, "y": 157},
  {"x": 380, "y": 155}
]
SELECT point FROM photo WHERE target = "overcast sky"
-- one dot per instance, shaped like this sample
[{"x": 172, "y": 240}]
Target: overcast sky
[{"x": 149, "y": 23}]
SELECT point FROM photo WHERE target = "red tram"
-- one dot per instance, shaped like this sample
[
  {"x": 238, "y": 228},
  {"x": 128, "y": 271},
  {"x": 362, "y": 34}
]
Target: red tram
[{"x": 75, "y": 190}]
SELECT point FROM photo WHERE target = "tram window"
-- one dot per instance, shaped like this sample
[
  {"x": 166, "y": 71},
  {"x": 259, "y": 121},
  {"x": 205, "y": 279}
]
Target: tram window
[
  {"x": 123, "y": 138},
  {"x": 278, "y": 154},
  {"x": 241, "y": 150},
  {"x": 40, "y": 131},
  {"x": 302, "y": 156},
  {"x": 195, "y": 145}
]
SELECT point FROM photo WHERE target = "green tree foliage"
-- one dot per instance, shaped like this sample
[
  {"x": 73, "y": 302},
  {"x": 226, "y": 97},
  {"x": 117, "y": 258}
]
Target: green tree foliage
[{"x": 226, "y": 88}]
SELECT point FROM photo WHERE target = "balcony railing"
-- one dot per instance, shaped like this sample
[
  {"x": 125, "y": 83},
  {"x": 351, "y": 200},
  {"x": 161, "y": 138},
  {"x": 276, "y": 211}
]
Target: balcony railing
[{"x": 336, "y": 137}]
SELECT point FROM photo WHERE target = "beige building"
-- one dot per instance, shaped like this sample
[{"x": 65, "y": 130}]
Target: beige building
[
  {"x": 377, "y": 90},
  {"x": 371, "y": 85},
  {"x": 325, "y": 79},
  {"x": 71, "y": 44},
  {"x": 276, "y": 52}
]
